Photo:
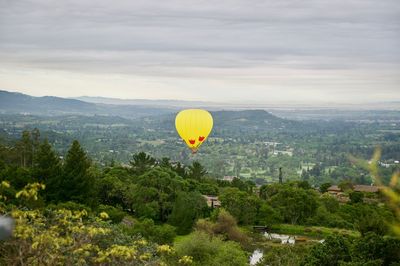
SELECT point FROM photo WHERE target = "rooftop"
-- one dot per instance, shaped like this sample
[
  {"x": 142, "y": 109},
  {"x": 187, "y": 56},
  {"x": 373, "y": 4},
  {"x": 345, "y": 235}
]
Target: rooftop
[
  {"x": 365, "y": 188},
  {"x": 334, "y": 188}
]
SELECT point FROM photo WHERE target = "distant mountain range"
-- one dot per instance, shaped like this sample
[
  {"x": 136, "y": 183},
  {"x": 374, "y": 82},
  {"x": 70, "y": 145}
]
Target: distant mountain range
[
  {"x": 388, "y": 105},
  {"x": 145, "y": 102},
  {"x": 18, "y": 103},
  {"x": 12, "y": 102}
]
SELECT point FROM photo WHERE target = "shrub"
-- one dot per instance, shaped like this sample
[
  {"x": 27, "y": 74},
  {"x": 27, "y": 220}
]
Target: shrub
[
  {"x": 66, "y": 237},
  {"x": 164, "y": 234},
  {"x": 69, "y": 205},
  {"x": 205, "y": 226},
  {"x": 225, "y": 226},
  {"x": 116, "y": 215},
  {"x": 356, "y": 197},
  {"x": 72, "y": 237},
  {"x": 331, "y": 252},
  {"x": 161, "y": 234},
  {"x": 284, "y": 255},
  {"x": 206, "y": 250}
]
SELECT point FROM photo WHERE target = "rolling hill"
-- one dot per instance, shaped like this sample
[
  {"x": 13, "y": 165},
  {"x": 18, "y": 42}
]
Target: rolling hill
[{"x": 18, "y": 103}]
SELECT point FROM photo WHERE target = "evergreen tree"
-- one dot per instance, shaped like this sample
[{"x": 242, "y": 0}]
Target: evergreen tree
[
  {"x": 188, "y": 207},
  {"x": 141, "y": 163},
  {"x": 324, "y": 187},
  {"x": 25, "y": 149},
  {"x": 280, "y": 175},
  {"x": 47, "y": 169},
  {"x": 35, "y": 134},
  {"x": 197, "y": 171},
  {"x": 165, "y": 162},
  {"x": 77, "y": 183},
  {"x": 180, "y": 169}
]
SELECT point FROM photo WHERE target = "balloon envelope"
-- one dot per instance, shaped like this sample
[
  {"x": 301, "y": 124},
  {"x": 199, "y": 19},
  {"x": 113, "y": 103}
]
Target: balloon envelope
[{"x": 194, "y": 126}]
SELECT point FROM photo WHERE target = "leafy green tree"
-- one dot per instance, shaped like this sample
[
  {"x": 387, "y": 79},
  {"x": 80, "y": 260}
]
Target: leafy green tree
[
  {"x": 373, "y": 247},
  {"x": 48, "y": 169},
  {"x": 77, "y": 183},
  {"x": 268, "y": 216},
  {"x": 356, "y": 197},
  {"x": 197, "y": 171},
  {"x": 161, "y": 234},
  {"x": 324, "y": 187},
  {"x": 141, "y": 162},
  {"x": 366, "y": 217},
  {"x": 370, "y": 220},
  {"x": 207, "y": 188},
  {"x": 247, "y": 185},
  {"x": 330, "y": 203},
  {"x": 303, "y": 184},
  {"x": 180, "y": 170},
  {"x": 295, "y": 204},
  {"x": 346, "y": 185},
  {"x": 116, "y": 187},
  {"x": 334, "y": 250},
  {"x": 156, "y": 192},
  {"x": 187, "y": 208},
  {"x": 241, "y": 205},
  {"x": 267, "y": 191},
  {"x": 324, "y": 217}
]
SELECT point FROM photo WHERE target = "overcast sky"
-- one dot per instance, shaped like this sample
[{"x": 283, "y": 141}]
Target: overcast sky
[{"x": 226, "y": 51}]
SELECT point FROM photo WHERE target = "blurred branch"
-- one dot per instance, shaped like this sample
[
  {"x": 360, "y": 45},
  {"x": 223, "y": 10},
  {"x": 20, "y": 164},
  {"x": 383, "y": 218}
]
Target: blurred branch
[{"x": 391, "y": 191}]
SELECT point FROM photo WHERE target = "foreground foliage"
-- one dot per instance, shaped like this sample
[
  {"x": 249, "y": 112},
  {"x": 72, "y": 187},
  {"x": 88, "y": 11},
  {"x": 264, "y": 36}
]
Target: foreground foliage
[{"x": 154, "y": 212}]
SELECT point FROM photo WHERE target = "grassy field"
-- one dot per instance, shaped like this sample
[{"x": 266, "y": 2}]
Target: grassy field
[{"x": 316, "y": 231}]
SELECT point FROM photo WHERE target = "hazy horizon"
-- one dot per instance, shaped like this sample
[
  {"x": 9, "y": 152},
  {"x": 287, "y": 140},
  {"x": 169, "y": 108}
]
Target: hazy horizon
[
  {"x": 266, "y": 52},
  {"x": 379, "y": 105}
]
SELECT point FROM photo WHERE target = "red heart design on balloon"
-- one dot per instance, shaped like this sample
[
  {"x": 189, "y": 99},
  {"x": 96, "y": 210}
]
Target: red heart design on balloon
[
  {"x": 201, "y": 138},
  {"x": 192, "y": 141}
]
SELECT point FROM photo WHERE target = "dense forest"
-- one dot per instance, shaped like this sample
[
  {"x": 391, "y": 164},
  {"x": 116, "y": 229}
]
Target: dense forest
[{"x": 70, "y": 210}]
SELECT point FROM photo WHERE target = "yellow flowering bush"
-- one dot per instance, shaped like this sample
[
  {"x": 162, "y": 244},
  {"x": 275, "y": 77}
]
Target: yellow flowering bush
[
  {"x": 117, "y": 253},
  {"x": 166, "y": 249},
  {"x": 66, "y": 237},
  {"x": 186, "y": 260},
  {"x": 3, "y": 185},
  {"x": 30, "y": 191},
  {"x": 104, "y": 216}
]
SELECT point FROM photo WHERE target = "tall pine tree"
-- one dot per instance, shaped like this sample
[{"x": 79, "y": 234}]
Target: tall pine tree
[
  {"x": 47, "y": 169},
  {"x": 142, "y": 163},
  {"x": 78, "y": 184},
  {"x": 25, "y": 149}
]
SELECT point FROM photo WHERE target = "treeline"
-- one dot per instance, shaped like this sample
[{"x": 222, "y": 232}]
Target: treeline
[
  {"x": 167, "y": 192},
  {"x": 157, "y": 190}
]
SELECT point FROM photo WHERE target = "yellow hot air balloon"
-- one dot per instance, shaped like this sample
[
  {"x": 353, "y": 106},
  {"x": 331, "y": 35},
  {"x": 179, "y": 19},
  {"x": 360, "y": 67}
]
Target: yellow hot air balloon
[{"x": 194, "y": 126}]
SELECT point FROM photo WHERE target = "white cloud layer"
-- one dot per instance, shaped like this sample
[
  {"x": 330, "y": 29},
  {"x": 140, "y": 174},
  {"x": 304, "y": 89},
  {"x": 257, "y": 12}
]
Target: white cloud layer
[{"x": 238, "y": 50}]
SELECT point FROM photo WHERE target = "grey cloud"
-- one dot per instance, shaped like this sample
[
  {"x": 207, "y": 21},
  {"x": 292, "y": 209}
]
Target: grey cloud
[{"x": 198, "y": 38}]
